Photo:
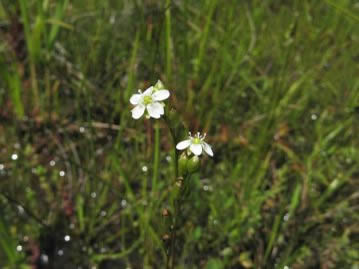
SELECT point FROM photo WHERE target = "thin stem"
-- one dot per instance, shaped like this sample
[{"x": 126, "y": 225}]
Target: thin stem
[
  {"x": 156, "y": 157},
  {"x": 176, "y": 161},
  {"x": 171, "y": 257},
  {"x": 26, "y": 210},
  {"x": 177, "y": 216},
  {"x": 173, "y": 234},
  {"x": 175, "y": 153}
]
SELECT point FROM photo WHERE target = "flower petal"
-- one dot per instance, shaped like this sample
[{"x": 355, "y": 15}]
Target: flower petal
[
  {"x": 207, "y": 148},
  {"x": 138, "y": 111},
  {"x": 148, "y": 91},
  {"x": 183, "y": 144},
  {"x": 135, "y": 99},
  {"x": 155, "y": 110},
  {"x": 196, "y": 149},
  {"x": 160, "y": 95}
]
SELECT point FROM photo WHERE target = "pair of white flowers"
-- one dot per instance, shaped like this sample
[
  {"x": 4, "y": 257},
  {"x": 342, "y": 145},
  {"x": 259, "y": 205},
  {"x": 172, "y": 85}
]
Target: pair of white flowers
[{"x": 151, "y": 101}]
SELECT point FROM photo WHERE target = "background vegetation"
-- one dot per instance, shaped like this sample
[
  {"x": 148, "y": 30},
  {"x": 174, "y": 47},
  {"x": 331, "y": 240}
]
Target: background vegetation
[{"x": 274, "y": 84}]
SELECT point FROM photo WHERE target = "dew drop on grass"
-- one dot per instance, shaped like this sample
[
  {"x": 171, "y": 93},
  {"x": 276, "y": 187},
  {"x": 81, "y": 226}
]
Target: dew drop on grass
[
  {"x": 19, "y": 248},
  {"x": 112, "y": 19},
  {"x": 103, "y": 213},
  {"x": 20, "y": 209},
  {"x": 14, "y": 157},
  {"x": 44, "y": 258},
  {"x": 144, "y": 168}
]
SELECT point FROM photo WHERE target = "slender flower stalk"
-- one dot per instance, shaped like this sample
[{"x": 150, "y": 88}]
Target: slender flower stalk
[{"x": 150, "y": 103}]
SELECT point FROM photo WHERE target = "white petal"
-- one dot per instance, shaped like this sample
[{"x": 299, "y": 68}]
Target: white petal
[
  {"x": 207, "y": 148},
  {"x": 138, "y": 111},
  {"x": 160, "y": 95},
  {"x": 183, "y": 144},
  {"x": 135, "y": 99},
  {"x": 148, "y": 91},
  {"x": 196, "y": 149},
  {"x": 155, "y": 110}
]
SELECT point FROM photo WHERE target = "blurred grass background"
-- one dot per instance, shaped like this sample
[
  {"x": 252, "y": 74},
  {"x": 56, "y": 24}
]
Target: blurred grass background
[{"x": 274, "y": 84}]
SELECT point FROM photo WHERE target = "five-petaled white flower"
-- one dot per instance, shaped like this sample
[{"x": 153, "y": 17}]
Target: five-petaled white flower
[
  {"x": 150, "y": 100},
  {"x": 196, "y": 144}
]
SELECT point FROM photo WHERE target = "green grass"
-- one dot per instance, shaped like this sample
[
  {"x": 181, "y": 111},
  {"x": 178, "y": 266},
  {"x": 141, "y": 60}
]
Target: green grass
[{"x": 273, "y": 83}]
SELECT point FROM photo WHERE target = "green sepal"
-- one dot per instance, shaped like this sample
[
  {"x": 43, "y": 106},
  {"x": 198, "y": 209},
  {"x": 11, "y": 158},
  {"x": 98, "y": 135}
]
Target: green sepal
[
  {"x": 193, "y": 165},
  {"x": 182, "y": 164}
]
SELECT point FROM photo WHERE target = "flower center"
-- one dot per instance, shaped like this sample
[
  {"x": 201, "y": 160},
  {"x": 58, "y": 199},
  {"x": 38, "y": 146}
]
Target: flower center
[
  {"x": 147, "y": 99},
  {"x": 196, "y": 140}
]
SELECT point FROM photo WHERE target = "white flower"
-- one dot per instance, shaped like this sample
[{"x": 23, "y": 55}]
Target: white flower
[
  {"x": 150, "y": 100},
  {"x": 195, "y": 144}
]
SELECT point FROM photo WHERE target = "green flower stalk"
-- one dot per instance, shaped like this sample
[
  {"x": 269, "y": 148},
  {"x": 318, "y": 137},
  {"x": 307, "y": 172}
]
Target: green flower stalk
[{"x": 150, "y": 103}]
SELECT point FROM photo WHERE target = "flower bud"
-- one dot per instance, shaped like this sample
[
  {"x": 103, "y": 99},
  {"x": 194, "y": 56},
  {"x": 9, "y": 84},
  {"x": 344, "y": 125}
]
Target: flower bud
[
  {"x": 193, "y": 165},
  {"x": 158, "y": 86},
  {"x": 182, "y": 164}
]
